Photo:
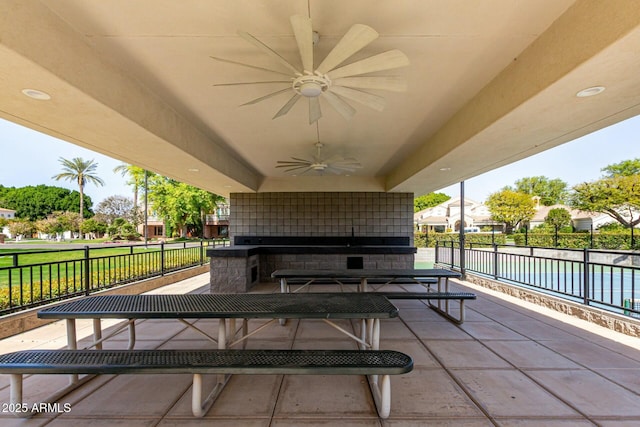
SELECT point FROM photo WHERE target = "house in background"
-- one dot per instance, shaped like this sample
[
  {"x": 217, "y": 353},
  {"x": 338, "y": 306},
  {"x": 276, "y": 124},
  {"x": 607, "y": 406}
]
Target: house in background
[
  {"x": 6, "y": 214},
  {"x": 580, "y": 220},
  {"x": 216, "y": 224},
  {"x": 446, "y": 217}
]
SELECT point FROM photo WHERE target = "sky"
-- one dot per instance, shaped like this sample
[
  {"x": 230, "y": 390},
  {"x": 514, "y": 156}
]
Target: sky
[{"x": 31, "y": 158}]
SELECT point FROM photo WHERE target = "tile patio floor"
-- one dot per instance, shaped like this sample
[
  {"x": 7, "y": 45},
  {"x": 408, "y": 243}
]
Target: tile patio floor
[{"x": 510, "y": 364}]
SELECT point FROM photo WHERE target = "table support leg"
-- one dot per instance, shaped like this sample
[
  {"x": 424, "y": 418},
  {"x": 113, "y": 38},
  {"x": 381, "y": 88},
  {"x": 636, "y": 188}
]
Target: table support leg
[
  {"x": 97, "y": 334},
  {"x": 222, "y": 344},
  {"x": 132, "y": 333},
  {"x": 284, "y": 289},
  {"x": 72, "y": 344}
]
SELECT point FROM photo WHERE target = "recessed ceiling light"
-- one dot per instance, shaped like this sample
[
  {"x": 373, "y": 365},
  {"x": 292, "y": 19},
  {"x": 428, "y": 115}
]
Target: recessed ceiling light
[
  {"x": 36, "y": 94},
  {"x": 445, "y": 169},
  {"x": 193, "y": 170},
  {"x": 590, "y": 91}
]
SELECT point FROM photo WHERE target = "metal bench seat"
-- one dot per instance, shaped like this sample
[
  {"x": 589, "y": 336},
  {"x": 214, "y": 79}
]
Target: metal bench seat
[
  {"x": 440, "y": 296},
  {"x": 198, "y": 362}
]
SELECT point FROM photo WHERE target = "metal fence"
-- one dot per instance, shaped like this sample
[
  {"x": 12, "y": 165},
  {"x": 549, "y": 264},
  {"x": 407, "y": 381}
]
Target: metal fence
[
  {"x": 25, "y": 284},
  {"x": 608, "y": 280}
]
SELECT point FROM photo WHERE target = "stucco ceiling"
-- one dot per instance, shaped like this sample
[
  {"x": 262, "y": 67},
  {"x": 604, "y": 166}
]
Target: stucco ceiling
[{"x": 489, "y": 82}]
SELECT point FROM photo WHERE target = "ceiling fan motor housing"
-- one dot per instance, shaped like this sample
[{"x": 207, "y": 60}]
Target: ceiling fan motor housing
[{"x": 311, "y": 85}]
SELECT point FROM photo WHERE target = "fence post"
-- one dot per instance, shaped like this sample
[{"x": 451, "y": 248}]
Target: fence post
[
  {"x": 585, "y": 275},
  {"x": 15, "y": 259},
  {"x": 495, "y": 261},
  {"x": 162, "y": 258},
  {"x": 87, "y": 271},
  {"x": 436, "y": 255},
  {"x": 452, "y": 254},
  {"x": 201, "y": 252}
]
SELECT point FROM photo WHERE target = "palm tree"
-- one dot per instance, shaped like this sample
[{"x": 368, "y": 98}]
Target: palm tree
[
  {"x": 81, "y": 171},
  {"x": 136, "y": 179}
]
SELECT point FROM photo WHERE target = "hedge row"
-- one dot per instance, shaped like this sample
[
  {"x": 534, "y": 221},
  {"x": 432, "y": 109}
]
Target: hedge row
[
  {"x": 428, "y": 240},
  {"x": 602, "y": 240}
]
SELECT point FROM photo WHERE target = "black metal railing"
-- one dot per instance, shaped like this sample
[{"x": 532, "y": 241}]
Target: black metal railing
[
  {"x": 25, "y": 283},
  {"x": 609, "y": 280}
]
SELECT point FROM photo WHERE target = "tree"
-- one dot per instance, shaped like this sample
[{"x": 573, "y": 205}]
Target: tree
[
  {"x": 618, "y": 197},
  {"x": 511, "y": 207},
  {"x": 550, "y": 191},
  {"x": 20, "y": 227},
  {"x": 624, "y": 168},
  {"x": 37, "y": 202},
  {"x": 136, "y": 180},
  {"x": 558, "y": 218},
  {"x": 182, "y": 206},
  {"x": 80, "y": 171},
  {"x": 93, "y": 227},
  {"x": 428, "y": 201},
  {"x": 116, "y": 207}
]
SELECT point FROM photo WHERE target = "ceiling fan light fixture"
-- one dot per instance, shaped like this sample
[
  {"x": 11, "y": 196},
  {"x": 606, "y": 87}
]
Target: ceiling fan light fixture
[{"x": 310, "y": 86}]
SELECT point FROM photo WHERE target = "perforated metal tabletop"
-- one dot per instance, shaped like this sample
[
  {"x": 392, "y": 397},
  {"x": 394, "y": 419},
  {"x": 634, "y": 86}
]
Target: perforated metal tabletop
[
  {"x": 307, "y": 305},
  {"x": 365, "y": 273}
]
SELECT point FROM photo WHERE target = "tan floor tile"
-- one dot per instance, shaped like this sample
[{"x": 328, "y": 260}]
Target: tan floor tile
[
  {"x": 590, "y": 393},
  {"x": 629, "y": 378},
  {"x": 438, "y": 331},
  {"x": 422, "y": 314},
  {"x": 337, "y": 344},
  {"x": 465, "y": 354},
  {"x": 529, "y": 354},
  {"x": 431, "y": 422},
  {"x": 418, "y": 352},
  {"x": 236, "y": 421},
  {"x": 635, "y": 422},
  {"x": 135, "y": 396},
  {"x": 546, "y": 422},
  {"x": 101, "y": 422},
  {"x": 325, "y": 397},
  {"x": 395, "y": 329},
  {"x": 343, "y": 422},
  {"x": 317, "y": 329},
  {"x": 490, "y": 331},
  {"x": 509, "y": 393},
  {"x": 248, "y": 396},
  {"x": 429, "y": 393},
  {"x": 590, "y": 355},
  {"x": 539, "y": 331}
]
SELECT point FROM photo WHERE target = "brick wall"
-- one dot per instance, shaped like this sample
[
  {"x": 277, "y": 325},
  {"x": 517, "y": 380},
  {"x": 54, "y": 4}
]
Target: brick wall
[{"x": 321, "y": 214}]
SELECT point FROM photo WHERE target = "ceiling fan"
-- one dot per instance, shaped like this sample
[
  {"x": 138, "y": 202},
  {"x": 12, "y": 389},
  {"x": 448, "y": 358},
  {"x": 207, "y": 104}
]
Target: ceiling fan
[
  {"x": 334, "y": 164},
  {"x": 328, "y": 80}
]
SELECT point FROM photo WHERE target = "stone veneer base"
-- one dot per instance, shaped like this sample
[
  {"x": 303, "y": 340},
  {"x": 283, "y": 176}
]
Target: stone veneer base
[
  {"x": 240, "y": 274},
  {"x": 613, "y": 321}
]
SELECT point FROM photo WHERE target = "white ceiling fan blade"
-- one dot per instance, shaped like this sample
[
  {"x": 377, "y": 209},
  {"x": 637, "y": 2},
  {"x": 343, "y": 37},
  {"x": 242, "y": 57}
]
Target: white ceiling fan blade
[
  {"x": 252, "y": 83},
  {"x": 390, "y": 83},
  {"x": 383, "y": 61},
  {"x": 304, "y": 36},
  {"x": 249, "y": 65},
  {"x": 267, "y": 96},
  {"x": 286, "y": 164},
  {"x": 368, "y": 99},
  {"x": 285, "y": 109},
  {"x": 339, "y": 104},
  {"x": 267, "y": 50},
  {"x": 315, "y": 113},
  {"x": 355, "y": 39},
  {"x": 306, "y": 168}
]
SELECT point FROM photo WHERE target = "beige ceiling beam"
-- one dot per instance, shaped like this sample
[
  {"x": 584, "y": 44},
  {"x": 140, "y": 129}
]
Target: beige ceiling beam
[
  {"x": 585, "y": 30},
  {"x": 99, "y": 106}
]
